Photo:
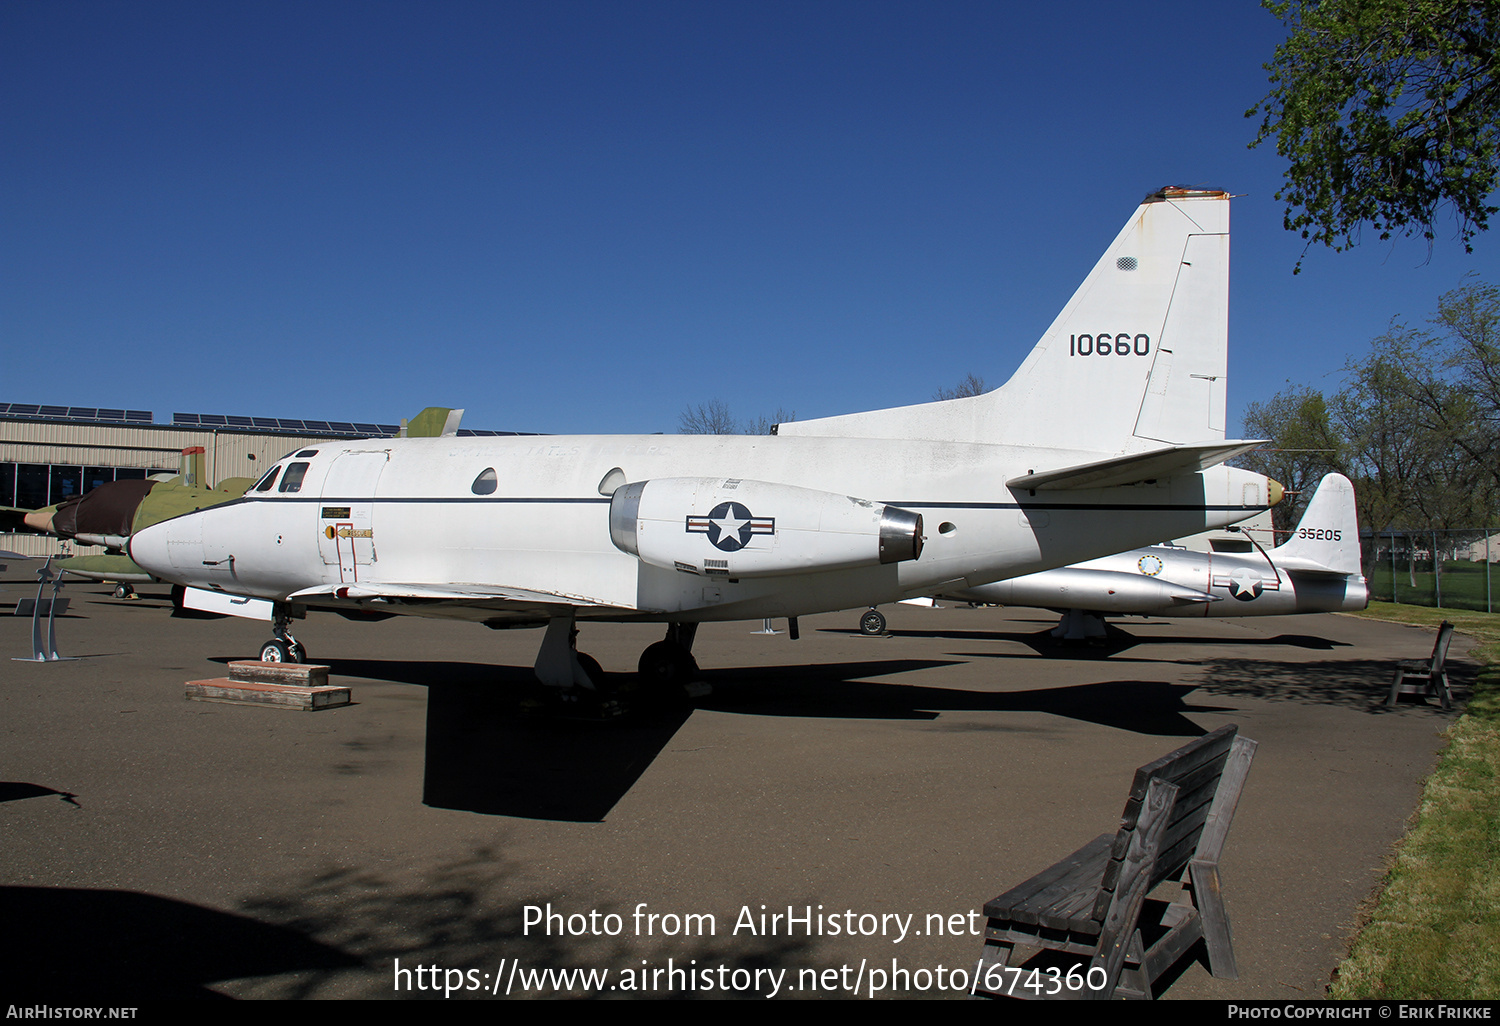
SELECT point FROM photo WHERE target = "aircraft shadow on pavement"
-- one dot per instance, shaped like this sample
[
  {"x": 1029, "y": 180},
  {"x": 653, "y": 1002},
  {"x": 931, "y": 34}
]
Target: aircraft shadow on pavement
[
  {"x": 14, "y": 791},
  {"x": 1143, "y": 707},
  {"x": 114, "y": 947},
  {"x": 486, "y": 753},
  {"x": 498, "y": 743},
  {"x": 1115, "y": 641}
]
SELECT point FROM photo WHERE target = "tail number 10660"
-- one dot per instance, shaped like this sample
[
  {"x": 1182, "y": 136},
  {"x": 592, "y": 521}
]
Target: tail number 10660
[{"x": 1123, "y": 344}]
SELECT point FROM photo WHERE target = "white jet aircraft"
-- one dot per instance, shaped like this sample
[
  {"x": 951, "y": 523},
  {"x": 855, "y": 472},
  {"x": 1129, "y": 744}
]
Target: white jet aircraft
[
  {"x": 1103, "y": 440},
  {"x": 1316, "y": 570}
]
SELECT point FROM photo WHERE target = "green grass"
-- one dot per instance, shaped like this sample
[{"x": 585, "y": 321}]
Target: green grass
[
  {"x": 1464, "y": 585},
  {"x": 1434, "y": 928}
]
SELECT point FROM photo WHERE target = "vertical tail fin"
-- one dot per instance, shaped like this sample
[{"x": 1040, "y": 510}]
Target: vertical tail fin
[
  {"x": 1327, "y": 536},
  {"x": 1135, "y": 360}
]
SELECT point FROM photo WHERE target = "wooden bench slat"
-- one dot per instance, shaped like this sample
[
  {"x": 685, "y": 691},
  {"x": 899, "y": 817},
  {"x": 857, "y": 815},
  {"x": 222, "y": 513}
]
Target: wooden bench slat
[{"x": 1023, "y": 901}]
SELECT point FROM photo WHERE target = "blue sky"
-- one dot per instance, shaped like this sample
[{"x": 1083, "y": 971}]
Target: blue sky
[{"x": 587, "y": 216}]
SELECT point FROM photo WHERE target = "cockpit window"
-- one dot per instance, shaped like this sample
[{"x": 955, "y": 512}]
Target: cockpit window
[
  {"x": 292, "y": 481},
  {"x": 485, "y": 483},
  {"x": 307, "y": 453},
  {"x": 270, "y": 479}
]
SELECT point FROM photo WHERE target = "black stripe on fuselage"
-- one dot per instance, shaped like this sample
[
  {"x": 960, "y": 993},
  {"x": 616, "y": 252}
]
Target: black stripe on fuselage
[{"x": 591, "y": 500}]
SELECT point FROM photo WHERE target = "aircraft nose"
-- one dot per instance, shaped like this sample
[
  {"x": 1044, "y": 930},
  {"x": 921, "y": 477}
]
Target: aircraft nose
[
  {"x": 40, "y": 520},
  {"x": 1274, "y": 491},
  {"x": 147, "y": 548}
]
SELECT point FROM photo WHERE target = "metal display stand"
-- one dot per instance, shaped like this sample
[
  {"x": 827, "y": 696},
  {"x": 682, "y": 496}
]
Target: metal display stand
[{"x": 38, "y": 653}]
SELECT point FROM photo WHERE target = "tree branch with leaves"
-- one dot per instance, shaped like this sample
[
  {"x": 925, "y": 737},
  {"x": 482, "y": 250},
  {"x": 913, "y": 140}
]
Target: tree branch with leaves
[{"x": 1388, "y": 111}]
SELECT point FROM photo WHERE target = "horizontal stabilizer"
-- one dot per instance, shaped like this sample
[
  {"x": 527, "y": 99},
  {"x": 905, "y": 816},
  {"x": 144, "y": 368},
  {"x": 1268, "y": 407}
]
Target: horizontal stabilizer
[
  {"x": 1309, "y": 567},
  {"x": 1135, "y": 468}
]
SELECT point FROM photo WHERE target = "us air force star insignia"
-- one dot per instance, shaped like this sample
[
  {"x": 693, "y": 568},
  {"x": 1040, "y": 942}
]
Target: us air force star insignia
[
  {"x": 1150, "y": 565},
  {"x": 1245, "y": 584},
  {"x": 730, "y": 526}
]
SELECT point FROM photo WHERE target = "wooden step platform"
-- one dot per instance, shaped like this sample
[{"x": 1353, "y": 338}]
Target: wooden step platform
[{"x": 302, "y": 686}]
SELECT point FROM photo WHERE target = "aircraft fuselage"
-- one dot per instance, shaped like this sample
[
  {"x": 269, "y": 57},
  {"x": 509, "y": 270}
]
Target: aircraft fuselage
[{"x": 520, "y": 525}]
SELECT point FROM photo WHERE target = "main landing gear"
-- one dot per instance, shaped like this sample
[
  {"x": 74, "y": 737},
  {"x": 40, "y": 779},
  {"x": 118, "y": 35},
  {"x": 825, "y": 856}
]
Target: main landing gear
[
  {"x": 283, "y": 648},
  {"x": 667, "y": 669},
  {"x": 872, "y": 623}
]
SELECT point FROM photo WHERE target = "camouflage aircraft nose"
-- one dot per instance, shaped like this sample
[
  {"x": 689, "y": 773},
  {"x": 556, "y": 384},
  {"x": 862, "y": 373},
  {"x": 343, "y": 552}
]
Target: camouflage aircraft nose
[{"x": 40, "y": 519}]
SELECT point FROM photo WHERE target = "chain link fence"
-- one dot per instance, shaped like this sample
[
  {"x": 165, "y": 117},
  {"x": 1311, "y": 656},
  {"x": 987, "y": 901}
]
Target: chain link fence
[{"x": 1448, "y": 569}]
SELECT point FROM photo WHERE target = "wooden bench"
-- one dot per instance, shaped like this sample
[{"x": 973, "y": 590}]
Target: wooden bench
[
  {"x": 1433, "y": 670},
  {"x": 1100, "y": 934}
]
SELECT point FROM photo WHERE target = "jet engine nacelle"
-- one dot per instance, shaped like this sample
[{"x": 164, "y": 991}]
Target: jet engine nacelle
[{"x": 736, "y": 528}]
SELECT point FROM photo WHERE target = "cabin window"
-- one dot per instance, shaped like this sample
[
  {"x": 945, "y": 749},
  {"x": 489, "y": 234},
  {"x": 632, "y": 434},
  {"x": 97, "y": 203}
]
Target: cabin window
[
  {"x": 292, "y": 481},
  {"x": 485, "y": 483},
  {"x": 270, "y": 479}
]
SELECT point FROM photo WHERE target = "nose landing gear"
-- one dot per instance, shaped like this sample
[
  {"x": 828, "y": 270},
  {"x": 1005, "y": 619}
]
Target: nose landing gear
[{"x": 283, "y": 648}]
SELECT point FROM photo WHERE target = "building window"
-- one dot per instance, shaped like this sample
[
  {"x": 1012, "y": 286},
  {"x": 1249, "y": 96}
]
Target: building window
[
  {"x": 67, "y": 483},
  {"x": 31, "y": 485}
]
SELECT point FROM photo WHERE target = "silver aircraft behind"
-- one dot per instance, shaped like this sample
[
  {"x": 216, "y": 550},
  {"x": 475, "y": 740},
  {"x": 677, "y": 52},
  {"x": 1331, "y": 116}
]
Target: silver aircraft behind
[
  {"x": 1104, "y": 439},
  {"x": 1316, "y": 570}
]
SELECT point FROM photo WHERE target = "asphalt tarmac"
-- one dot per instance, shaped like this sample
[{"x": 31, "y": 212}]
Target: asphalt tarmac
[{"x": 438, "y": 838}]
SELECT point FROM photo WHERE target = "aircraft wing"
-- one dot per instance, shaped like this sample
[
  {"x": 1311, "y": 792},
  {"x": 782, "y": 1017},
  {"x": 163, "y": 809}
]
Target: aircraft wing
[
  {"x": 439, "y": 593},
  {"x": 1136, "y": 467}
]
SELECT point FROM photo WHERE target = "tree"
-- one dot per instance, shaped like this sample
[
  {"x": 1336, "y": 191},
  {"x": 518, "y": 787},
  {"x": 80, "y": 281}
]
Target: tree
[
  {"x": 1304, "y": 445},
  {"x": 714, "y": 418},
  {"x": 710, "y": 418},
  {"x": 1470, "y": 318},
  {"x": 1387, "y": 110},
  {"x": 970, "y": 385},
  {"x": 1403, "y": 418}
]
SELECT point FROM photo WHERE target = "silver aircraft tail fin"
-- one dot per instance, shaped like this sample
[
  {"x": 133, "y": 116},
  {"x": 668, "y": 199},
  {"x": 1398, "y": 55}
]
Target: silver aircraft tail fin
[{"x": 1327, "y": 537}]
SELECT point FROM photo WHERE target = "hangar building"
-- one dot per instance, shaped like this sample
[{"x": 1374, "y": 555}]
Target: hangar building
[{"x": 48, "y": 453}]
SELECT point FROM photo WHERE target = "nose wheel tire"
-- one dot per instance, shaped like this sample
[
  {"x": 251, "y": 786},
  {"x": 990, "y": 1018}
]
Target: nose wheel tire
[
  {"x": 872, "y": 623},
  {"x": 283, "y": 652}
]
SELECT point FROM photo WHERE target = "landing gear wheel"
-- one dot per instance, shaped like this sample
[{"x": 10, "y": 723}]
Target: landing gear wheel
[
  {"x": 872, "y": 623},
  {"x": 276, "y": 652},
  {"x": 297, "y": 652},
  {"x": 124, "y": 591},
  {"x": 667, "y": 669}
]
